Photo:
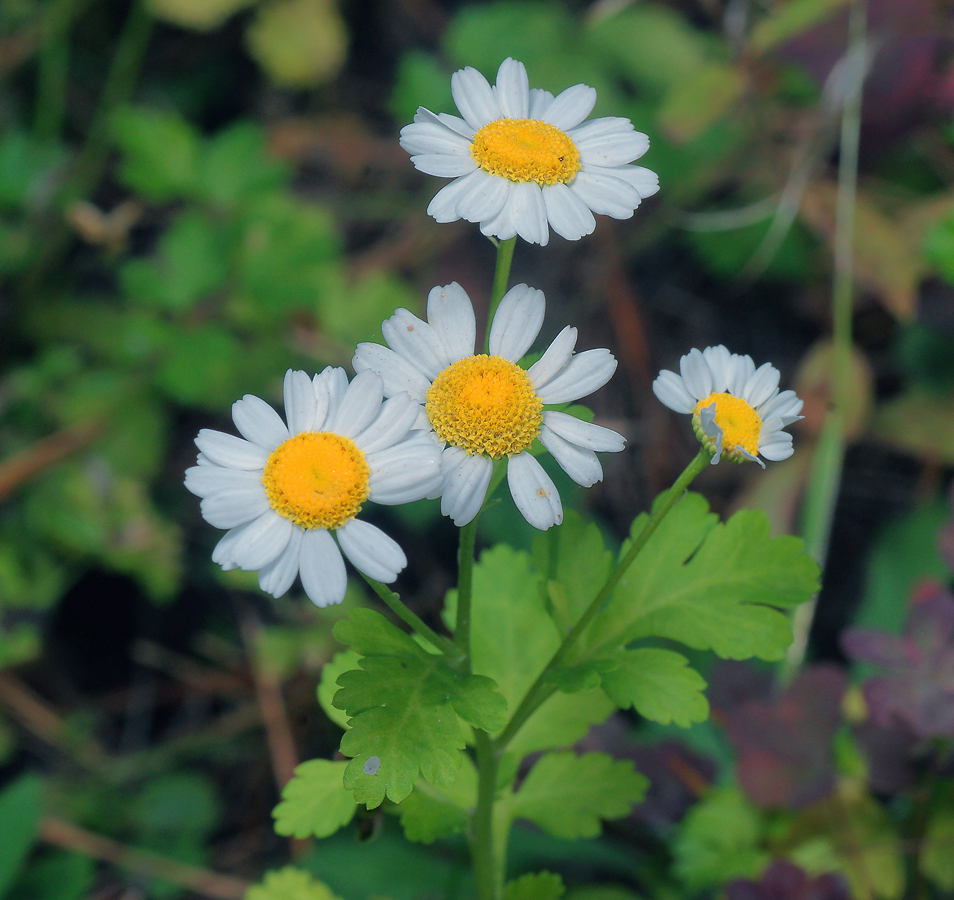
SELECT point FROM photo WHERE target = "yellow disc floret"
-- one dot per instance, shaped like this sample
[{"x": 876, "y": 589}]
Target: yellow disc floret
[
  {"x": 741, "y": 425},
  {"x": 526, "y": 150},
  {"x": 317, "y": 479},
  {"x": 485, "y": 405}
]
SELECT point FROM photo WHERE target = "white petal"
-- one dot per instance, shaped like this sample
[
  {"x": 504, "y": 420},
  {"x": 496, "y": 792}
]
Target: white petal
[
  {"x": 434, "y": 137},
  {"x": 571, "y": 107},
  {"x": 301, "y": 403},
  {"x": 234, "y": 507},
  {"x": 360, "y": 405},
  {"x": 212, "y": 479},
  {"x": 260, "y": 541},
  {"x": 586, "y": 372},
  {"x": 396, "y": 419},
  {"x": 443, "y": 206},
  {"x": 534, "y": 492},
  {"x": 695, "y": 374},
  {"x": 645, "y": 181},
  {"x": 451, "y": 315},
  {"x": 528, "y": 213},
  {"x": 557, "y": 355},
  {"x": 719, "y": 361},
  {"x": 371, "y": 551},
  {"x": 606, "y": 194},
  {"x": 322, "y": 569},
  {"x": 397, "y": 374},
  {"x": 568, "y": 215},
  {"x": 454, "y": 123},
  {"x": 761, "y": 385},
  {"x": 444, "y": 165},
  {"x": 332, "y": 382},
  {"x": 279, "y": 575},
  {"x": 222, "y": 553},
  {"x": 474, "y": 98},
  {"x": 779, "y": 448},
  {"x": 712, "y": 429},
  {"x": 486, "y": 196},
  {"x": 500, "y": 225},
  {"x": 580, "y": 464},
  {"x": 258, "y": 422},
  {"x": 414, "y": 339},
  {"x": 785, "y": 405},
  {"x": 742, "y": 369},
  {"x": 517, "y": 322},
  {"x": 231, "y": 451},
  {"x": 540, "y": 101},
  {"x": 465, "y": 489},
  {"x": 512, "y": 89},
  {"x": 670, "y": 389},
  {"x": 407, "y": 471},
  {"x": 584, "y": 434},
  {"x": 614, "y": 149}
]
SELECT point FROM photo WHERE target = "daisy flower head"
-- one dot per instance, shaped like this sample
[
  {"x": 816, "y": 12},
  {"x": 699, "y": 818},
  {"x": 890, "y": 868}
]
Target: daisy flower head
[
  {"x": 486, "y": 407},
  {"x": 524, "y": 161},
  {"x": 737, "y": 410},
  {"x": 282, "y": 490}
]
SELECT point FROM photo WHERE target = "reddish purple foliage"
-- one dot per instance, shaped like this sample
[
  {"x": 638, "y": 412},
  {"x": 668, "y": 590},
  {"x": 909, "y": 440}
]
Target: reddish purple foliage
[
  {"x": 917, "y": 687},
  {"x": 784, "y": 881},
  {"x": 784, "y": 743}
]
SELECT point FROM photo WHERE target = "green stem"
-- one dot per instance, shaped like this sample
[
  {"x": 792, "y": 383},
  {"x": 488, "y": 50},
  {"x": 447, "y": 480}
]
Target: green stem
[
  {"x": 501, "y": 277},
  {"x": 486, "y": 866},
  {"x": 465, "y": 587},
  {"x": 53, "y": 70},
  {"x": 394, "y": 603},
  {"x": 825, "y": 477},
  {"x": 542, "y": 688}
]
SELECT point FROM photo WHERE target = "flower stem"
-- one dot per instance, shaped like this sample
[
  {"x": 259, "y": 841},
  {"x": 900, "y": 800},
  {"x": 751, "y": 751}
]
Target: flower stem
[
  {"x": 465, "y": 587},
  {"x": 501, "y": 278},
  {"x": 394, "y": 603},
  {"x": 486, "y": 866},
  {"x": 543, "y": 688},
  {"x": 825, "y": 476}
]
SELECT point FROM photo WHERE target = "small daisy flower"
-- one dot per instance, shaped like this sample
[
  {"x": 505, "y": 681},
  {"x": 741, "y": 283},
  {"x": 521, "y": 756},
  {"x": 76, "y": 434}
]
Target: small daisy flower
[
  {"x": 285, "y": 489},
  {"x": 523, "y": 160},
  {"x": 486, "y": 407},
  {"x": 737, "y": 410}
]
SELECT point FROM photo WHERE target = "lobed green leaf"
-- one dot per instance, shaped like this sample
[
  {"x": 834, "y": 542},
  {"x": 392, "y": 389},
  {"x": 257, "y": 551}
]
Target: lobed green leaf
[{"x": 315, "y": 802}]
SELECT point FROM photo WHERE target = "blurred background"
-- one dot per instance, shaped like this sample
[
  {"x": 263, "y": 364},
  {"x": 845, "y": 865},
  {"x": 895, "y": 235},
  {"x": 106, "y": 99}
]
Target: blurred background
[{"x": 196, "y": 195}]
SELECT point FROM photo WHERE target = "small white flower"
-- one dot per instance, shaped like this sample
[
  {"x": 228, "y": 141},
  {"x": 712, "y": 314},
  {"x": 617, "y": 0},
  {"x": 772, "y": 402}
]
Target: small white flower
[
  {"x": 737, "y": 410},
  {"x": 522, "y": 158},
  {"x": 486, "y": 407},
  {"x": 283, "y": 490}
]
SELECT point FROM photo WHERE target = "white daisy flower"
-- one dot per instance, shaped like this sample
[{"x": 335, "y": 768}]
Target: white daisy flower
[
  {"x": 284, "y": 490},
  {"x": 486, "y": 407},
  {"x": 522, "y": 158},
  {"x": 737, "y": 410}
]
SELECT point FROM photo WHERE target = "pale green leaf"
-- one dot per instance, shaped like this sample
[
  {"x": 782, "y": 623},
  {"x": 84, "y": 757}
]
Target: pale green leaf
[
  {"x": 20, "y": 809},
  {"x": 936, "y": 861},
  {"x": 432, "y": 812},
  {"x": 575, "y": 564},
  {"x": 718, "y": 841},
  {"x": 328, "y": 686},
  {"x": 708, "y": 585},
  {"x": 535, "y": 886},
  {"x": 315, "y": 802},
  {"x": 567, "y": 795},
  {"x": 788, "y": 20},
  {"x": 660, "y": 685},
  {"x": 201, "y": 15},
  {"x": 289, "y": 884}
]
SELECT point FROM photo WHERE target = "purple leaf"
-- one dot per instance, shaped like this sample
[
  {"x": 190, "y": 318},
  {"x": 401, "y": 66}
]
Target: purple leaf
[{"x": 784, "y": 881}]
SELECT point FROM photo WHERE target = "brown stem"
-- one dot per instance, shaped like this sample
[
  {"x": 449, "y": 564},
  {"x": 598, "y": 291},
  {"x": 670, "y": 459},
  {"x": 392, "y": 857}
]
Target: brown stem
[
  {"x": 14, "y": 470},
  {"x": 211, "y": 884}
]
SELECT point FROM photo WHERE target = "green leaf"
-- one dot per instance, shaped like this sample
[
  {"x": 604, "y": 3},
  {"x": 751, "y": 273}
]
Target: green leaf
[
  {"x": 709, "y": 585},
  {"x": 718, "y": 841},
  {"x": 404, "y": 703},
  {"x": 790, "y": 20},
  {"x": 200, "y": 368},
  {"x": 535, "y": 886},
  {"x": 237, "y": 164},
  {"x": 55, "y": 875},
  {"x": 660, "y": 685},
  {"x": 20, "y": 809},
  {"x": 201, "y": 15},
  {"x": 289, "y": 884},
  {"x": 432, "y": 812},
  {"x": 160, "y": 152},
  {"x": 315, "y": 802},
  {"x": 698, "y": 102},
  {"x": 567, "y": 795},
  {"x": 935, "y": 860},
  {"x": 575, "y": 563},
  {"x": 328, "y": 687}
]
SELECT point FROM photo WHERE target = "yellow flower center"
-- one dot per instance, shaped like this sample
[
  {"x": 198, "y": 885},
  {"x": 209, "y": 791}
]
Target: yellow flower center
[
  {"x": 485, "y": 405},
  {"x": 526, "y": 150},
  {"x": 740, "y": 424},
  {"x": 317, "y": 479}
]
